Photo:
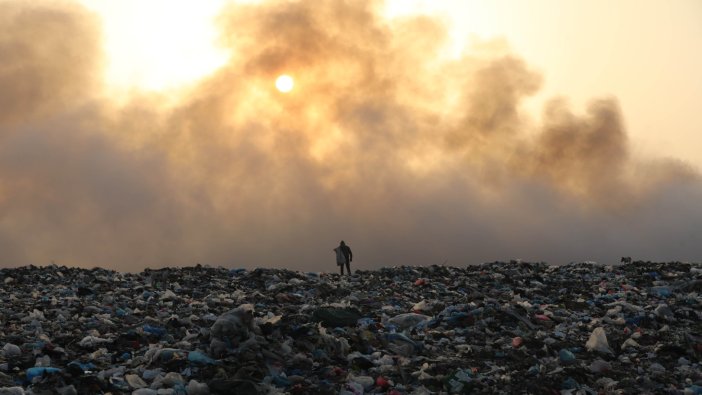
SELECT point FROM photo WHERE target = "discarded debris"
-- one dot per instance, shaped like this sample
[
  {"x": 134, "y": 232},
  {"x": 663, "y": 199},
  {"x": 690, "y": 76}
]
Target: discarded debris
[{"x": 492, "y": 328}]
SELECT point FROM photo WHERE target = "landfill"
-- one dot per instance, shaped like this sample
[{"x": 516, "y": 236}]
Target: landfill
[{"x": 502, "y": 327}]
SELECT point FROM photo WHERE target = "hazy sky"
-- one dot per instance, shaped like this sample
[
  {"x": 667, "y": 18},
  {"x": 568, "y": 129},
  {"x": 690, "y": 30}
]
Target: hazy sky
[{"x": 138, "y": 134}]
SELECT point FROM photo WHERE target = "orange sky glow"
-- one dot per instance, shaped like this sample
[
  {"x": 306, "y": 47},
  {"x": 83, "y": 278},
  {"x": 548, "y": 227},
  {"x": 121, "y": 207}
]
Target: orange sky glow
[{"x": 163, "y": 133}]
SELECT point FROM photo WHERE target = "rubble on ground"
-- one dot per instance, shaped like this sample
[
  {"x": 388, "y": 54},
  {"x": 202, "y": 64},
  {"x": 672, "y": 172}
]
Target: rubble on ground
[{"x": 497, "y": 327}]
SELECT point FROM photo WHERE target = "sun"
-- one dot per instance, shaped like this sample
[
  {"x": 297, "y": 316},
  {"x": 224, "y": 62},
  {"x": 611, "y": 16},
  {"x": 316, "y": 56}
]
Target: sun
[{"x": 284, "y": 83}]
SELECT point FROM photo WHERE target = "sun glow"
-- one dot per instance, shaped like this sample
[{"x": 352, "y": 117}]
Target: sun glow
[
  {"x": 284, "y": 83},
  {"x": 159, "y": 44}
]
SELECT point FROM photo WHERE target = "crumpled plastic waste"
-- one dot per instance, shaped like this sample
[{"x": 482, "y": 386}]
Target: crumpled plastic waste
[
  {"x": 502, "y": 327},
  {"x": 598, "y": 341}
]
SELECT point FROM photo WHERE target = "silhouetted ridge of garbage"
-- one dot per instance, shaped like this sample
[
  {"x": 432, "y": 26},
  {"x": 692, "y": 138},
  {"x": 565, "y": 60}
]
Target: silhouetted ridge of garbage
[{"x": 498, "y": 327}]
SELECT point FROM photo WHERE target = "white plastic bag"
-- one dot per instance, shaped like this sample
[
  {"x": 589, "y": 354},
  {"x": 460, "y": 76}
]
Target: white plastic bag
[{"x": 598, "y": 341}]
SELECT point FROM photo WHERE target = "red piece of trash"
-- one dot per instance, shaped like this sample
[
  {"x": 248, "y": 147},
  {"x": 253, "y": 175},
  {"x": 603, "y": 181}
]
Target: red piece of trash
[
  {"x": 382, "y": 382},
  {"x": 517, "y": 342}
]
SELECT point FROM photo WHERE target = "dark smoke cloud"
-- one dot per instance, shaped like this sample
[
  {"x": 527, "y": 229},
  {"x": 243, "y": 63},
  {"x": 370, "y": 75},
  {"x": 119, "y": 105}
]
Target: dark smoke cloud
[
  {"x": 50, "y": 59},
  {"x": 408, "y": 156}
]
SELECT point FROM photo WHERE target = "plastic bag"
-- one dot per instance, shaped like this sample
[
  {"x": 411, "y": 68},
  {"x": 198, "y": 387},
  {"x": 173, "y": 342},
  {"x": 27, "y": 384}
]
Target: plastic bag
[{"x": 598, "y": 341}]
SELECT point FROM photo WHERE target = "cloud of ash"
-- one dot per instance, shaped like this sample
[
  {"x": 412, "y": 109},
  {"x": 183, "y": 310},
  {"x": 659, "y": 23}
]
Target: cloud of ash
[{"x": 410, "y": 157}]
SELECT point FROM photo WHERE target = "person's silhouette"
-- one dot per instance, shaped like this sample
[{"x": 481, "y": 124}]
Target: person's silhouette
[{"x": 344, "y": 256}]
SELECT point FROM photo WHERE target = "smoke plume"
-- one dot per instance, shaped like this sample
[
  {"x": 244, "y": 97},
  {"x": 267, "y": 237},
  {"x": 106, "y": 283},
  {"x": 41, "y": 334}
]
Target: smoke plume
[{"x": 409, "y": 156}]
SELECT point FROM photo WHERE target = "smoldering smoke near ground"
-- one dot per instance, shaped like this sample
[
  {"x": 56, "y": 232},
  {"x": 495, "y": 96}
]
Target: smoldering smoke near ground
[{"x": 411, "y": 157}]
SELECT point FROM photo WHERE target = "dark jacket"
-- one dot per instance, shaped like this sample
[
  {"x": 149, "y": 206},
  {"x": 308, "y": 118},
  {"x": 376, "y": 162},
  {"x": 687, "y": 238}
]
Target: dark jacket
[{"x": 346, "y": 250}]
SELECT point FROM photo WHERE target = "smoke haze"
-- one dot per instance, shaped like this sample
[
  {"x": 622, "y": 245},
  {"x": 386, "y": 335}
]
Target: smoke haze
[{"x": 410, "y": 157}]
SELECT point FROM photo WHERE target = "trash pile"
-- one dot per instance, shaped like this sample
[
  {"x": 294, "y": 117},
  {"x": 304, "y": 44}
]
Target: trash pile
[{"x": 493, "y": 328}]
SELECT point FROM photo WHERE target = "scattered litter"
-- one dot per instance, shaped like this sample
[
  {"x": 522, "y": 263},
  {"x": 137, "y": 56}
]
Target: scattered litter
[{"x": 513, "y": 327}]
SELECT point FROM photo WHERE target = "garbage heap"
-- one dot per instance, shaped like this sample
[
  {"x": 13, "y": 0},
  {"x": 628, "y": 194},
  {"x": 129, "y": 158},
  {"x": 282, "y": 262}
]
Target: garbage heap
[{"x": 503, "y": 327}]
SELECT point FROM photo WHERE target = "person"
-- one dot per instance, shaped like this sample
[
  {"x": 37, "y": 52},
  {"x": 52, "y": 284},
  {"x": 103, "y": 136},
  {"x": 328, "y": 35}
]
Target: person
[{"x": 344, "y": 256}]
